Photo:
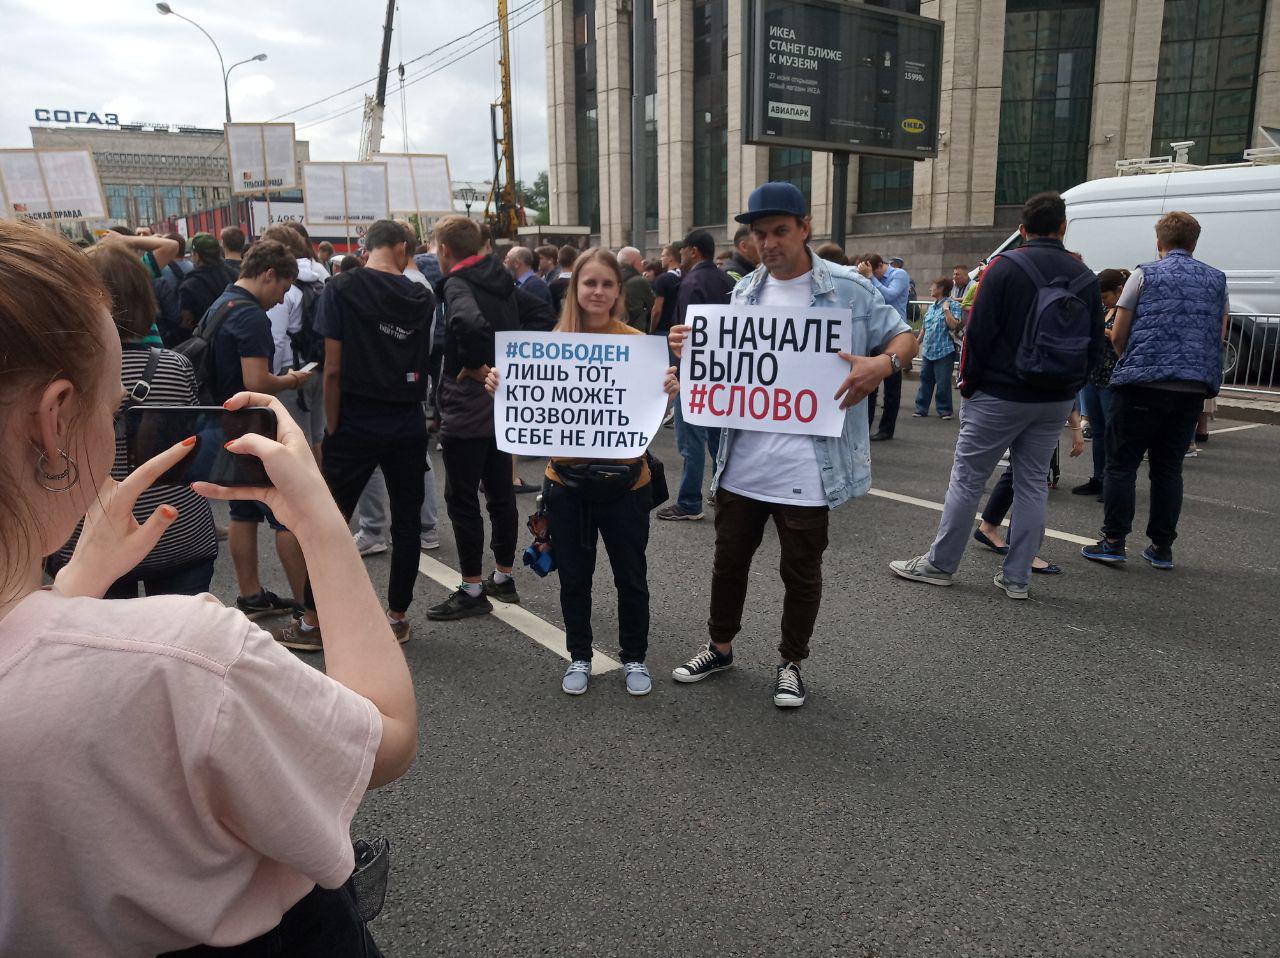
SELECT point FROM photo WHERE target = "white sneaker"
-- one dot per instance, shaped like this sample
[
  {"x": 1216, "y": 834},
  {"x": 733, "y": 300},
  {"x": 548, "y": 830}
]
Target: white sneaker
[
  {"x": 636, "y": 676},
  {"x": 576, "y": 677},
  {"x": 430, "y": 540},
  {"x": 367, "y": 545},
  {"x": 920, "y": 569}
]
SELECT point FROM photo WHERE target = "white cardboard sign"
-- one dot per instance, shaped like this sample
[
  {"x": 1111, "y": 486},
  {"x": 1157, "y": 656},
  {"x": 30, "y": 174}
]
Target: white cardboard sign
[
  {"x": 261, "y": 157},
  {"x": 344, "y": 197},
  {"x": 765, "y": 369},
  {"x": 50, "y": 185},
  {"x": 418, "y": 182},
  {"x": 579, "y": 395}
]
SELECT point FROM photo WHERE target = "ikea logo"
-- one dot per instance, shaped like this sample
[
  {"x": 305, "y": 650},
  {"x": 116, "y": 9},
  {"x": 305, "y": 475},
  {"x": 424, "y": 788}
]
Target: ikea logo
[{"x": 913, "y": 126}]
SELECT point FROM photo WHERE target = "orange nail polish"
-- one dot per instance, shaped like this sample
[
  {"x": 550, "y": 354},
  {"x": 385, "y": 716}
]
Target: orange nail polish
[
  {"x": 227, "y": 444},
  {"x": 169, "y": 512},
  {"x": 189, "y": 441}
]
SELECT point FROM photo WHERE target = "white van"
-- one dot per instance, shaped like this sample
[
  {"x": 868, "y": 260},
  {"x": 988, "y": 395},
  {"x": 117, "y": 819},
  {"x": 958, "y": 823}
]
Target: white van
[{"x": 1111, "y": 223}]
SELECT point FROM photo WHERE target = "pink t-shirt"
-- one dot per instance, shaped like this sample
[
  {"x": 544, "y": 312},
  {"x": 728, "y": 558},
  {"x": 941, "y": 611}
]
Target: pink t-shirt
[{"x": 169, "y": 776}]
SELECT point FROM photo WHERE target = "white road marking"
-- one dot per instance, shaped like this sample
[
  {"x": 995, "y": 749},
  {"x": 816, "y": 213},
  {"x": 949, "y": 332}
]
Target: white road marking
[
  {"x": 518, "y": 617},
  {"x": 1252, "y": 425},
  {"x": 937, "y": 507}
]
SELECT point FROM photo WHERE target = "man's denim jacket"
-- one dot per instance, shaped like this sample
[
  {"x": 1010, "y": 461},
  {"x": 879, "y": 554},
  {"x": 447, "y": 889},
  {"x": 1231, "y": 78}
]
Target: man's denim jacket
[{"x": 844, "y": 460}]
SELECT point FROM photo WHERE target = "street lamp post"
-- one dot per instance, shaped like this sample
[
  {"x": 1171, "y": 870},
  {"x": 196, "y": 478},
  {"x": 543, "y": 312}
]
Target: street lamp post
[
  {"x": 468, "y": 196},
  {"x": 166, "y": 10}
]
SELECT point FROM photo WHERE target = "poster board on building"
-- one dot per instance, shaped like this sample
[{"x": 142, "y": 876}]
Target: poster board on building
[
  {"x": 344, "y": 198},
  {"x": 842, "y": 77},
  {"x": 262, "y": 215},
  {"x": 418, "y": 183},
  {"x": 50, "y": 186},
  {"x": 261, "y": 157}
]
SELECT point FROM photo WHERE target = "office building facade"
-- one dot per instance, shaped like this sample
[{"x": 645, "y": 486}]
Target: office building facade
[
  {"x": 1035, "y": 94},
  {"x": 152, "y": 174}
]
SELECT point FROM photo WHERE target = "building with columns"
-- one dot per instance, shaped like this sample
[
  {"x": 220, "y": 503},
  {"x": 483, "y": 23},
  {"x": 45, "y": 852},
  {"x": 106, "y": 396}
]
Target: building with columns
[{"x": 1036, "y": 94}]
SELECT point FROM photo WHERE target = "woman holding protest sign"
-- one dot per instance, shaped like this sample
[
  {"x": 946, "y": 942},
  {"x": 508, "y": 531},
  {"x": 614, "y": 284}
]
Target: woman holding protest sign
[{"x": 609, "y": 499}]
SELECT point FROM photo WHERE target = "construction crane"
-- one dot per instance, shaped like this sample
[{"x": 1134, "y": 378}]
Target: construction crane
[
  {"x": 504, "y": 213},
  {"x": 375, "y": 106}
]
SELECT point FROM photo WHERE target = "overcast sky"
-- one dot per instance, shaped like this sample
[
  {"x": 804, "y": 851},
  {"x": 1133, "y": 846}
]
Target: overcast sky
[{"x": 123, "y": 57}]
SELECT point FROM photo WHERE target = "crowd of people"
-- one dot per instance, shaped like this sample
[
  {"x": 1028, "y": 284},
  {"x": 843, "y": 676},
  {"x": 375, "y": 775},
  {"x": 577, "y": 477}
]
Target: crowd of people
[{"x": 217, "y": 774}]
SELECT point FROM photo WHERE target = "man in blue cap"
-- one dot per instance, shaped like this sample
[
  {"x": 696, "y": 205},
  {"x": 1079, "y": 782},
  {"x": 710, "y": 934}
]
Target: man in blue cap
[{"x": 795, "y": 480}]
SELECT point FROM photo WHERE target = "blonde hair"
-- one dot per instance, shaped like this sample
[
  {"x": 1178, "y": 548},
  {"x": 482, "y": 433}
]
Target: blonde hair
[{"x": 571, "y": 312}]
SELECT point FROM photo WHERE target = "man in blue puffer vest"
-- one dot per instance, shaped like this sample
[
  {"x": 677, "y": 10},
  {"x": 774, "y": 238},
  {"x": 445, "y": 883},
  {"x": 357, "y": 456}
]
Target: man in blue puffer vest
[{"x": 1169, "y": 326}]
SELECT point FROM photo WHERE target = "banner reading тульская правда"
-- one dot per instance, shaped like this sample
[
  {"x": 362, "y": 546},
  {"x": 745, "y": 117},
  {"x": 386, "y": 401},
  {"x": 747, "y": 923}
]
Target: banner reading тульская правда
[{"x": 765, "y": 369}]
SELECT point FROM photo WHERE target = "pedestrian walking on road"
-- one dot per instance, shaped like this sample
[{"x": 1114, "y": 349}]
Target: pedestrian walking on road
[
  {"x": 1000, "y": 502},
  {"x": 481, "y": 299},
  {"x": 1170, "y": 322},
  {"x": 937, "y": 355},
  {"x": 1033, "y": 337},
  {"x": 1096, "y": 395},
  {"x": 702, "y": 283},
  {"x": 894, "y": 285},
  {"x": 793, "y": 480},
  {"x": 744, "y": 258},
  {"x": 584, "y": 507}
]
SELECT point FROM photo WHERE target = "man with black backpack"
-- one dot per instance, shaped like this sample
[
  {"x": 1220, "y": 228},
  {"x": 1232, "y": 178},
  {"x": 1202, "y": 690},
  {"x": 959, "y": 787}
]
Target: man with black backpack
[
  {"x": 1034, "y": 335},
  {"x": 376, "y": 324},
  {"x": 232, "y": 350}
]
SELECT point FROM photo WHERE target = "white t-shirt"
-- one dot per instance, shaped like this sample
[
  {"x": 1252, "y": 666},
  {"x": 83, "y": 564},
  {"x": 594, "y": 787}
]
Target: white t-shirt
[{"x": 776, "y": 466}]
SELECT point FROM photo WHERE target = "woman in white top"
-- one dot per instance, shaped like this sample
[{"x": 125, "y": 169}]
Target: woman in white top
[{"x": 170, "y": 778}]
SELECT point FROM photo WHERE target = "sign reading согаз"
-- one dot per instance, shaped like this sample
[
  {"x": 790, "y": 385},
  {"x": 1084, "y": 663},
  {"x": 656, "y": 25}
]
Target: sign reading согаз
[{"x": 833, "y": 75}]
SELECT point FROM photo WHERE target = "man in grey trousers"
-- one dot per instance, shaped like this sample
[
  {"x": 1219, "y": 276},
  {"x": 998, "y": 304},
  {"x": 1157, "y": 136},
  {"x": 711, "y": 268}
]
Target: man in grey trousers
[{"x": 1022, "y": 365}]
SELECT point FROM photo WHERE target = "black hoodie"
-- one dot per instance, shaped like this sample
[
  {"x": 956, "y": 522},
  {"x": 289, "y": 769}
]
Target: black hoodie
[
  {"x": 385, "y": 333},
  {"x": 480, "y": 299}
]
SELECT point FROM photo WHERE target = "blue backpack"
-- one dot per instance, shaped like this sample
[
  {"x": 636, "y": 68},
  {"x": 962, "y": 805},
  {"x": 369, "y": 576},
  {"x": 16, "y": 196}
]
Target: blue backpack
[{"x": 1054, "y": 352}]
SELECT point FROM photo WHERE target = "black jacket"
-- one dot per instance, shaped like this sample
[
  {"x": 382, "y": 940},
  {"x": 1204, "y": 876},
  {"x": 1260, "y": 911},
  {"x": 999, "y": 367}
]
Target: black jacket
[
  {"x": 480, "y": 300},
  {"x": 737, "y": 267},
  {"x": 703, "y": 285},
  {"x": 1001, "y": 307},
  {"x": 386, "y": 334}
]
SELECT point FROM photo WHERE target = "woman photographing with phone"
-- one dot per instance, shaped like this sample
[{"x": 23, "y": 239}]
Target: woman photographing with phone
[
  {"x": 170, "y": 778},
  {"x": 182, "y": 561},
  {"x": 580, "y": 513}
]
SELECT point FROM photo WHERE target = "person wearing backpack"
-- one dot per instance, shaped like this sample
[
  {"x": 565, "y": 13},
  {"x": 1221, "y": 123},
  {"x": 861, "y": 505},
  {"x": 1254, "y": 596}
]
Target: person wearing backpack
[
  {"x": 238, "y": 357},
  {"x": 296, "y": 341},
  {"x": 1033, "y": 337}
]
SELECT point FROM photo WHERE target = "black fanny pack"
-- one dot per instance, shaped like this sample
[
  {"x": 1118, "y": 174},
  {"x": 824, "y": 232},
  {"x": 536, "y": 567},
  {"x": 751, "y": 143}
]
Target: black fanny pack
[{"x": 599, "y": 482}]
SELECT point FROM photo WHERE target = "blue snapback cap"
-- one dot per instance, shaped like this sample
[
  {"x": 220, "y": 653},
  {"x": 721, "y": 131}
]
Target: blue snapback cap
[{"x": 773, "y": 199}]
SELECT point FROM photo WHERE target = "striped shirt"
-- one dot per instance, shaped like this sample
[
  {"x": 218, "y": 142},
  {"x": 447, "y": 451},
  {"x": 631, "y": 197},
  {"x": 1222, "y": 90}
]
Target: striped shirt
[
  {"x": 935, "y": 338},
  {"x": 192, "y": 538}
]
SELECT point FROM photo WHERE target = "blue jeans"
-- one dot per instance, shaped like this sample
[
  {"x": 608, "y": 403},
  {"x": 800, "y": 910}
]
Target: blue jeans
[
  {"x": 693, "y": 442},
  {"x": 935, "y": 382},
  {"x": 989, "y": 426},
  {"x": 1097, "y": 402}
]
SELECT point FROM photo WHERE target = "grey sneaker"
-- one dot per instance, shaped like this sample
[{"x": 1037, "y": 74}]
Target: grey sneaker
[
  {"x": 1011, "y": 589},
  {"x": 429, "y": 540},
  {"x": 637, "y": 678},
  {"x": 576, "y": 677},
  {"x": 367, "y": 545},
  {"x": 673, "y": 513},
  {"x": 920, "y": 569}
]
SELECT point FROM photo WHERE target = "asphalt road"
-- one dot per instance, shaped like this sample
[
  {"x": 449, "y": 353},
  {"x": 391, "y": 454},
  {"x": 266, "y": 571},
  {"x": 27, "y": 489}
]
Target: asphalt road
[{"x": 1092, "y": 772}]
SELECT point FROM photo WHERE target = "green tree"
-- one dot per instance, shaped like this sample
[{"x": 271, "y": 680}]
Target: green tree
[{"x": 537, "y": 195}]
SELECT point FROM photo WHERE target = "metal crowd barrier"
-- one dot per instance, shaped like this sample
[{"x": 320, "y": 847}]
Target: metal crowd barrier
[{"x": 1251, "y": 354}]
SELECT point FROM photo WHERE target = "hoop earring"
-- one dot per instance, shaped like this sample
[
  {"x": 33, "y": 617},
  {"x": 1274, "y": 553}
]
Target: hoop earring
[{"x": 64, "y": 481}]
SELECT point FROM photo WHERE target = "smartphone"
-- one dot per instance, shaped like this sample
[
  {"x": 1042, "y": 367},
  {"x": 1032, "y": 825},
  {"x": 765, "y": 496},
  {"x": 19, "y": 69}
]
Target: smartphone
[
  {"x": 150, "y": 430},
  {"x": 309, "y": 367}
]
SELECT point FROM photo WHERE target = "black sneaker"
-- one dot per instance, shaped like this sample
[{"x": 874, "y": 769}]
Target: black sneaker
[
  {"x": 788, "y": 690},
  {"x": 1160, "y": 557},
  {"x": 460, "y": 605},
  {"x": 1091, "y": 488},
  {"x": 705, "y": 663},
  {"x": 881, "y": 436},
  {"x": 503, "y": 592},
  {"x": 263, "y": 604},
  {"x": 1104, "y": 551}
]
